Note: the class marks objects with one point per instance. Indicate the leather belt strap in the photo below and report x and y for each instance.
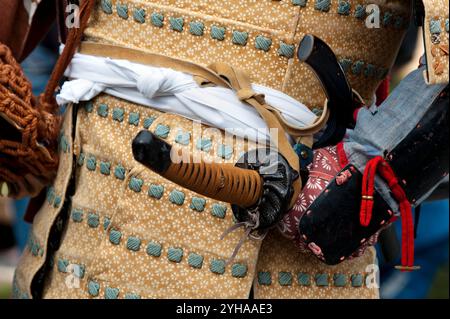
(153, 59)
(204, 76)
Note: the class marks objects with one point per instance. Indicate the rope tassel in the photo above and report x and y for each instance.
(380, 166)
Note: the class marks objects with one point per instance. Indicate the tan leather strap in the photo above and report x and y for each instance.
(153, 59)
(204, 76)
(240, 82)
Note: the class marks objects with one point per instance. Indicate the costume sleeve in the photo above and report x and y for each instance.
(23, 23)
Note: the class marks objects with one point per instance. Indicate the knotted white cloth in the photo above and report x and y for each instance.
(176, 92)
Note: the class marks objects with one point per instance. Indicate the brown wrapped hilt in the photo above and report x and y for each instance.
(223, 182)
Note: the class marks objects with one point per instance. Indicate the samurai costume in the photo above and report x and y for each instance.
(111, 227)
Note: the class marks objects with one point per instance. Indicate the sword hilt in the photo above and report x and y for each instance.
(261, 181)
(223, 182)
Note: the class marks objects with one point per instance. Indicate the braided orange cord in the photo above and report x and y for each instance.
(18, 108)
(236, 185)
(36, 122)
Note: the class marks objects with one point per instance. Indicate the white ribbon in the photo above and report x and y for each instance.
(171, 91)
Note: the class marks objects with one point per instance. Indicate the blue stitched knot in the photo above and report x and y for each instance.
(304, 279)
(149, 121)
(80, 160)
(225, 151)
(195, 260)
(322, 5)
(340, 280)
(357, 67)
(345, 64)
(239, 38)
(357, 280)
(136, 184)
(119, 172)
(62, 265)
(78, 271)
(139, 15)
(175, 254)
(286, 50)
(217, 33)
(93, 288)
(196, 28)
(118, 114)
(64, 144)
(162, 130)
(369, 70)
(77, 215)
(105, 168)
(132, 296)
(217, 266)
(102, 110)
(218, 210)
(122, 10)
(284, 278)
(133, 118)
(89, 106)
(177, 197)
(344, 8)
(106, 223)
(446, 25)
(50, 194)
(301, 3)
(239, 270)
(114, 236)
(435, 26)
(263, 43)
(387, 18)
(264, 278)
(154, 249)
(156, 191)
(360, 11)
(183, 138)
(133, 243)
(107, 6)
(35, 248)
(111, 293)
(198, 204)
(204, 144)
(321, 280)
(91, 163)
(57, 202)
(93, 220)
(157, 19)
(176, 24)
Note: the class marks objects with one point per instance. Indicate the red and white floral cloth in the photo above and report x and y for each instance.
(327, 163)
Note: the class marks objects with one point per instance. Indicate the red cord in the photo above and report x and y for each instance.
(383, 90)
(368, 190)
(342, 157)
